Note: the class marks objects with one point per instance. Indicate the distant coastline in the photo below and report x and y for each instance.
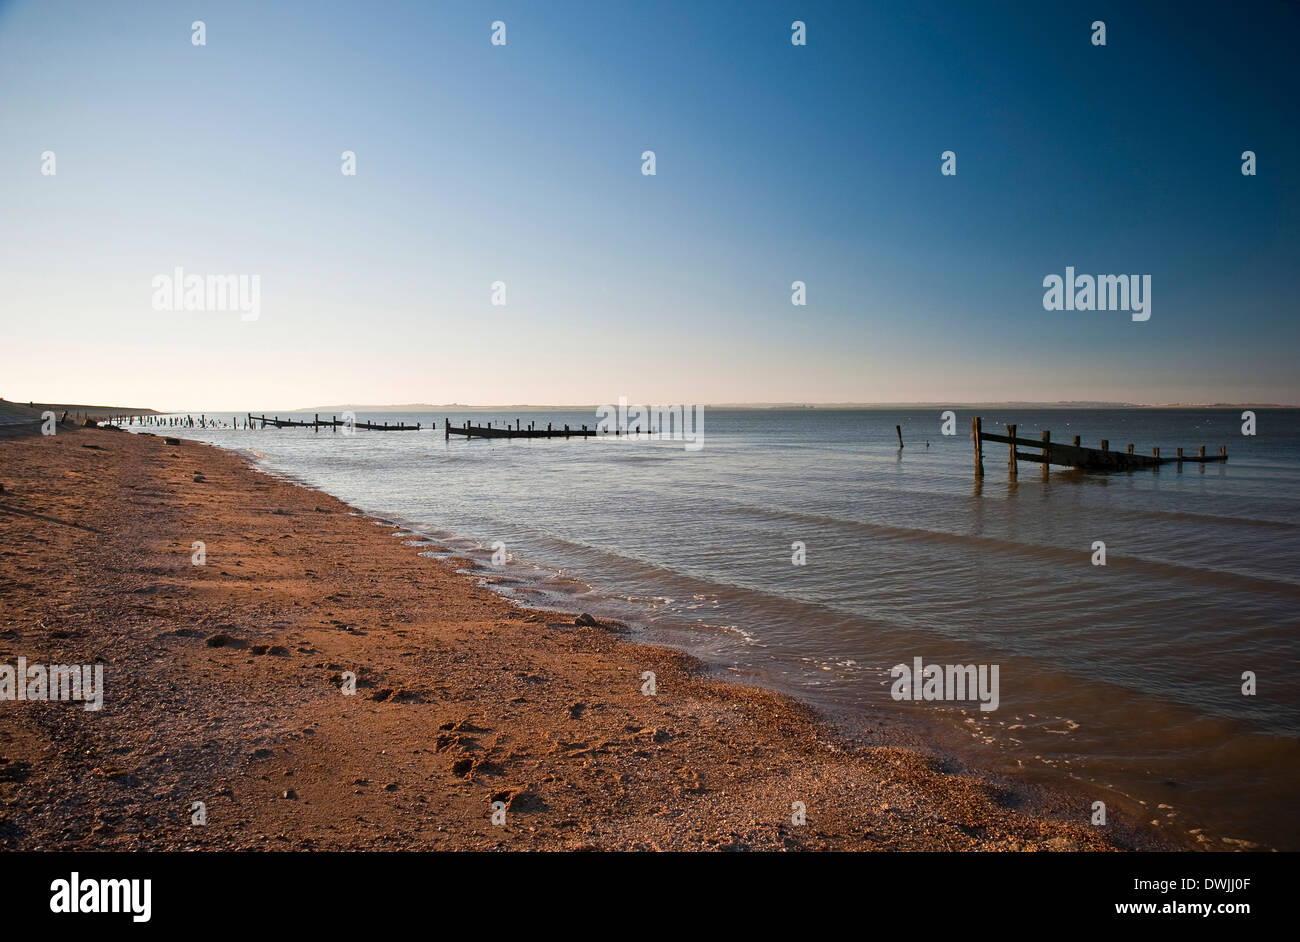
(101, 412)
(779, 406)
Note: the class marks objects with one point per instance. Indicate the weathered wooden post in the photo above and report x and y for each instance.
(1047, 454)
(976, 433)
(315, 425)
(1076, 441)
(1130, 448)
(516, 425)
(1180, 459)
(1105, 444)
(1201, 452)
(1223, 452)
(899, 430)
(446, 428)
(1013, 470)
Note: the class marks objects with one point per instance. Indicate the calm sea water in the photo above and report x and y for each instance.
(1125, 678)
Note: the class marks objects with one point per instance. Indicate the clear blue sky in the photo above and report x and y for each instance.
(522, 163)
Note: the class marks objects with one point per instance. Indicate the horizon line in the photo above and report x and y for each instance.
(792, 405)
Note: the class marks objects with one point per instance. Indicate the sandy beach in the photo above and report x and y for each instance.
(223, 685)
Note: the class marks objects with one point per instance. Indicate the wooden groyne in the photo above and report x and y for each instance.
(505, 431)
(256, 422)
(159, 420)
(1075, 455)
(333, 423)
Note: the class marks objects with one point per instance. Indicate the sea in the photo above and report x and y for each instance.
(806, 551)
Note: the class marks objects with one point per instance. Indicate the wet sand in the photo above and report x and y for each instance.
(223, 686)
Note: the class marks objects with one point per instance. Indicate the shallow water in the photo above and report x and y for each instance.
(1126, 677)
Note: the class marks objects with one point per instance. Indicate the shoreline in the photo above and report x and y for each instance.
(463, 696)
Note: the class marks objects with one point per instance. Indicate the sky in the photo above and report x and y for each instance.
(522, 163)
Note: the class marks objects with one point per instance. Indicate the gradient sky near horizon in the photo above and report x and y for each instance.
(522, 163)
